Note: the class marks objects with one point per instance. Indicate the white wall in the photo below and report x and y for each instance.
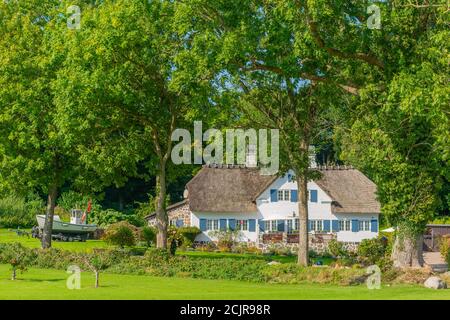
(283, 209)
(349, 236)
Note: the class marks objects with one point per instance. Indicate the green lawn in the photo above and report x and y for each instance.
(51, 284)
(7, 236)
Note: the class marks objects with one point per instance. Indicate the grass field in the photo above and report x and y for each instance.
(51, 284)
(7, 236)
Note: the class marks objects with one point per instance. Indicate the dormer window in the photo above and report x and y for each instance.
(284, 195)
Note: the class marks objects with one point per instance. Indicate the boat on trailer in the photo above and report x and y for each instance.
(76, 230)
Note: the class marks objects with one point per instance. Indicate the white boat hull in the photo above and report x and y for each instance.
(65, 227)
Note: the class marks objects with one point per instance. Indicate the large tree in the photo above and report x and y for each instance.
(397, 127)
(276, 78)
(37, 152)
(132, 74)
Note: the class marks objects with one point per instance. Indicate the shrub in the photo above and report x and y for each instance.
(337, 249)
(294, 274)
(148, 234)
(55, 258)
(226, 239)
(121, 234)
(174, 239)
(17, 256)
(19, 212)
(445, 248)
(371, 251)
(189, 234)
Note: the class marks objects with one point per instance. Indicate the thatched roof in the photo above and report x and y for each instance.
(351, 191)
(224, 189)
(234, 189)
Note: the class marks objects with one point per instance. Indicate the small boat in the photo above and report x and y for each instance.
(76, 228)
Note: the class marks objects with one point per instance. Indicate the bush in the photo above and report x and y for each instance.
(294, 274)
(337, 249)
(226, 240)
(371, 251)
(189, 234)
(445, 248)
(148, 234)
(20, 212)
(174, 239)
(121, 234)
(17, 256)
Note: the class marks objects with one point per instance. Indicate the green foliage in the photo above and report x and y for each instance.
(336, 248)
(107, 217)
(293, 274)
(16, 211)
(226, 239)
(174, 239)
(441, 220)
(445, 248)
(148, 234)
(189, 234)
(74, 200)
(371, 251)
(121, 234)
(18, 256)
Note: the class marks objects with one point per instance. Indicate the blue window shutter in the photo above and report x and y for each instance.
(251, 225)
(326, 225)
(309, 225)
(313, 195)
(334, 225)
(280, 225)
(179, 223)
(355, 225)
(223, 224)
(374, 225)
(294, 195)
(261, 225)
(232, 224)
(203, 224)
(273, 195)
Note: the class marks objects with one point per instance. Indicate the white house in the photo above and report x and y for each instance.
(342, 204)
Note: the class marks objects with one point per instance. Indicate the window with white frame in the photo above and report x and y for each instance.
(364, 225)
(270, 225)
(292, 225)
(242, 225)
(317, 225)
(344, 225)
(212, 224)
(284, 195)
(280, 195)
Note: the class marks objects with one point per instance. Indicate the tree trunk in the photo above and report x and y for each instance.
(97, 274)
(13, 276)
(48, 226)
(302, 186)
(408, 251)
(161, 214)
